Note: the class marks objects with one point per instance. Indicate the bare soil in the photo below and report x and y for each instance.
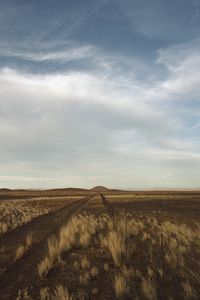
(181, 206)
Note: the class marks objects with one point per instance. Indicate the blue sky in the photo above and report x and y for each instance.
(100, 92)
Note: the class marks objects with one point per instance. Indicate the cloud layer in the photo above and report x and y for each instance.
(83, 127)
(100, 92)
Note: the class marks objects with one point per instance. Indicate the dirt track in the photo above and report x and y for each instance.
(23, 273)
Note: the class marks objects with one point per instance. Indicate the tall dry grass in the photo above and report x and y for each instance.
(145, 251)
(21, 249)
(59, 293)
(77, 233)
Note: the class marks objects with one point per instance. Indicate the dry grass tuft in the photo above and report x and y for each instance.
(59, 293)
(20, 251)
(148, 289)
(45, 294)
(115, 243)
(85, 264)
(84, 278)
(188, 291)
(44, 266)
(120, 285)
(94, 271)
(23, 295)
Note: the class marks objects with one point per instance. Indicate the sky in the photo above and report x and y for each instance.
(100, 92)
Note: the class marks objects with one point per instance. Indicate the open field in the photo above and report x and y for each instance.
(100, 244)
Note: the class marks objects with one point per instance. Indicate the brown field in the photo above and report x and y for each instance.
(99, 244)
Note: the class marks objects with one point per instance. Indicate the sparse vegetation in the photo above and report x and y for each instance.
(84, 278)
(59, 293)
(120, 285)
(44, 266)
(163, 245)
(23, 248)
(94, 271)
(15, 213)
(85, 264)
(148, 289)
(118, 254)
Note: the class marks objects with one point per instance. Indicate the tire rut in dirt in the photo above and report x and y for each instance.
(23, 273)
(108, 206)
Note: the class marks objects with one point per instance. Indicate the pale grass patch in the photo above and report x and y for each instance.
(128, 272)
(84, 278)
(106, 267)
(20, 251)
(29, 239)
(53, 247)
(94, 271)
(160, 272)
(115, 243)
(85, 239)
(59, 293)
(3, 227)
(146, 236)
(23, 295)
(85, 264)
(44, 266)
(150, 272)
(188, 291)
(175, 259)
(120, 285)
(45, 294)
(148, 289)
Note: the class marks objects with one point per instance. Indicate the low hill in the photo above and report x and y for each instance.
(99, 188)
(4, 190)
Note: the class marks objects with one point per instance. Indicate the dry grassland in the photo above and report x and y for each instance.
(147, 251)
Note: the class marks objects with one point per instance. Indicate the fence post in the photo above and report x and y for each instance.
(113, 216)
(126, 238)
(162, 265)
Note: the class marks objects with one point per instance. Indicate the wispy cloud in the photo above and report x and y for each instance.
(102, 118)
(182, 62)
(66, 55)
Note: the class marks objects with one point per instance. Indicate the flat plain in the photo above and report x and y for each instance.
(99, 244)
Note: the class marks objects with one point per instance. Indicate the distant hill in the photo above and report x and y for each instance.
(99, 188)
(4, 190)
(67, 190)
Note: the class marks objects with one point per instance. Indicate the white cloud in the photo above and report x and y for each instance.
(99, 124)
(182, 61)
(66, 55)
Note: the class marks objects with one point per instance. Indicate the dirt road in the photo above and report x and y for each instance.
(23, 273)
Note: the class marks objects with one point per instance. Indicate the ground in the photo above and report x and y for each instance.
(99, 244)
